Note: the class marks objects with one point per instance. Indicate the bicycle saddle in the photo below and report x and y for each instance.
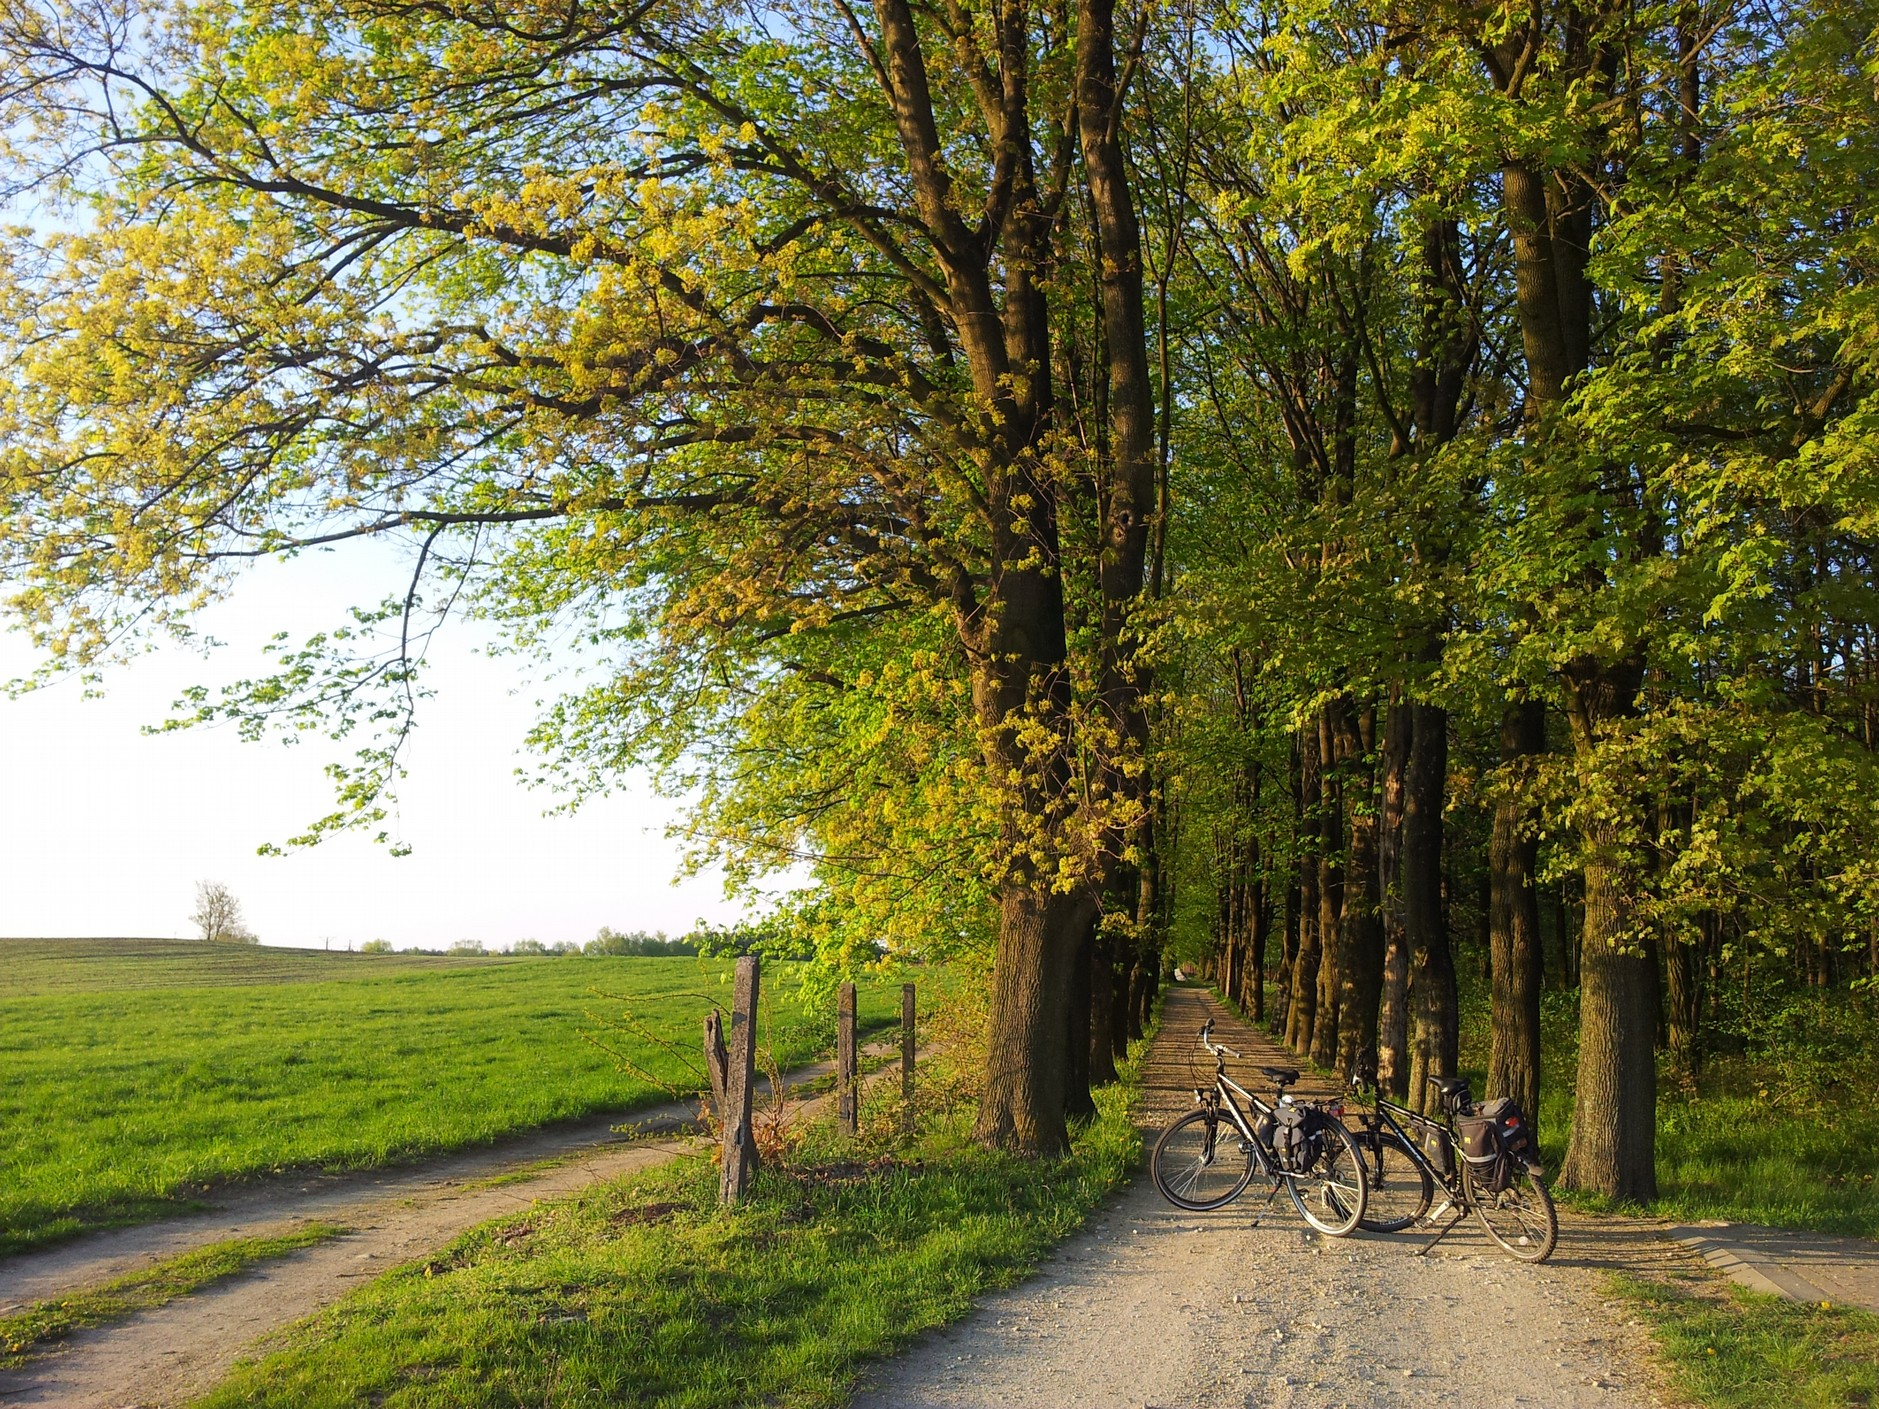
(1280, 1076)
(1449, 1085)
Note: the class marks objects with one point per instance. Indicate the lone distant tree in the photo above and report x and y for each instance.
(218, 915)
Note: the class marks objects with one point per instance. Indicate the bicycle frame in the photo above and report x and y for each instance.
(1452, 1184)
(1225, 1089)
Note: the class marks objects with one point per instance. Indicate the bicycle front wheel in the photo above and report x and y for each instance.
(1399, 1186)
(1201, 1162)
(1330, 1195)
(1521, 1217)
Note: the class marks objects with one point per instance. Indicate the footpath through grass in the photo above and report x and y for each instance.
(133, 1074)
(644, 1294)
(145, 1289)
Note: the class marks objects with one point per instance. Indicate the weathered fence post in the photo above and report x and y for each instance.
(847, 1063)
(716, 1060)
(906, 1056)
(740, 1149)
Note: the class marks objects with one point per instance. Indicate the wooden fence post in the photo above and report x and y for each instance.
(847, 1063)
(740, 1149)
(716, 1059)
(906, 1056)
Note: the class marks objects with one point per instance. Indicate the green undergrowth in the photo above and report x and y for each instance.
(24, 1332)
(1770, 1138)
(136, 1075)
(644, 1293)
(1727, 1348)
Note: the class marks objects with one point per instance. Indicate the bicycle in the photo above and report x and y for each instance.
(1206, 1159)
(1402, 1171)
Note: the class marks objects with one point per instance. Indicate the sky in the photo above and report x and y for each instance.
(105, 830)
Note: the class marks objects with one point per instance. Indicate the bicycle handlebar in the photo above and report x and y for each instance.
(1218, 1049)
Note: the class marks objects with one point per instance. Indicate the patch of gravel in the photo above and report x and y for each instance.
(1151, 1306)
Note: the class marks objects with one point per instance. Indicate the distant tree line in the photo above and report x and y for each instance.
(703, 938)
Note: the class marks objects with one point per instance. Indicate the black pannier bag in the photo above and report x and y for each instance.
(1489, 1164)
(1516, 1132)
(1293, 1140)
(1496, 1139)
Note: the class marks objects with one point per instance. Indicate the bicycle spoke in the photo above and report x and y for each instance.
(1201, 1163)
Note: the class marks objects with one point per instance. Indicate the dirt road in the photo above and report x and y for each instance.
(1152, 1306)
(176, 1352)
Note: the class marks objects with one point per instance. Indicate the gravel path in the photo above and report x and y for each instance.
(1151, 1306)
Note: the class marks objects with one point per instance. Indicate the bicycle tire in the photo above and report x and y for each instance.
(1400, 1189)
(1187, 1159)
(1337, 1179)
(1521, 1218)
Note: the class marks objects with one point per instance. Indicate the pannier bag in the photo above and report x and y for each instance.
(1293, 1140)
(1516, 1132)
(1495, 1139)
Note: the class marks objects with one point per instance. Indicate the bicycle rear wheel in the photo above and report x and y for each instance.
(1201, 1162)
(1330, 1196)
(1400, 1188)
(1521, 1217)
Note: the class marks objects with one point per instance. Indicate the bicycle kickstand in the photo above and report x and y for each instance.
(1447, 1228)
(1270, 1199)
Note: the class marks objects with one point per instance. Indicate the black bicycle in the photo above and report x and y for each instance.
(1207, 1158)
(1406, 1155)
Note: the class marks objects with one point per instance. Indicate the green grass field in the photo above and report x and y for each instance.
(623, 1293)
(135, 1072)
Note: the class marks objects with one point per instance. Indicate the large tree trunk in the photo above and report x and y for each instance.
(1334, 750)
(1514, 925)
(1041, 934)
(1303, 1007)
(1613, 1151)
(1614, 1106)
(1077, 1101)
(1393, 1000)
(1360, 965)
(1432, 963)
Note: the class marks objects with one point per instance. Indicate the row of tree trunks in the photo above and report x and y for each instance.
(1365, 978)
(1244, 918)
(1336, 748)
(1393, 999)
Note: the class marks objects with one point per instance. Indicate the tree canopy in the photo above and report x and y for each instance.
(1295, 486)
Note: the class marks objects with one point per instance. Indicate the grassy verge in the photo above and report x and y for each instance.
(1754, 1141)
(145, 1289)
(138, 1073)
(1727, 1348)
(643, 1293)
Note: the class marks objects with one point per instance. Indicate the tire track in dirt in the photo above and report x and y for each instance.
(176, 1352)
